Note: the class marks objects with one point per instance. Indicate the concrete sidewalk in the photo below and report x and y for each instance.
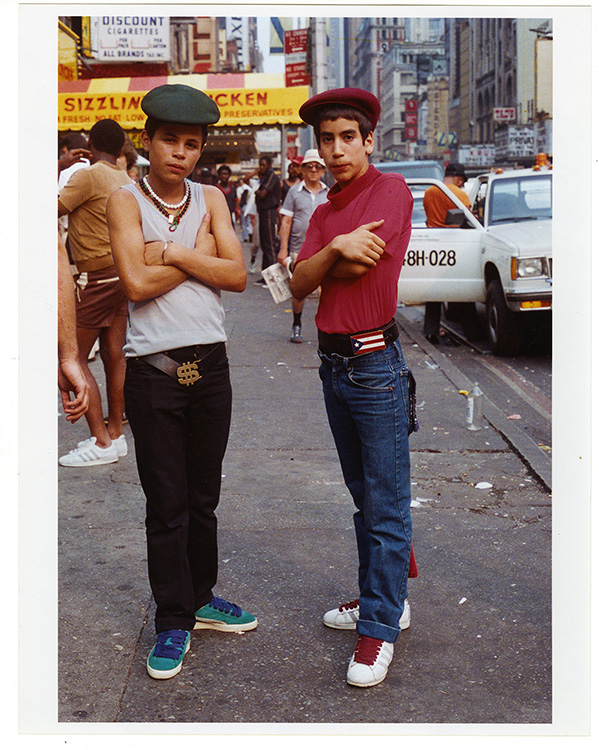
(479, 647)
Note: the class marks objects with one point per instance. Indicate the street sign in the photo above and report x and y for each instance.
(411, 119)
(504, 114)
(447, 140)
(296, 51)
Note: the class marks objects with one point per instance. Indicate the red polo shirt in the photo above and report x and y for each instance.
(370, 301)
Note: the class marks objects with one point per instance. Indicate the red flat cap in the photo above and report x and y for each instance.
(358, 98)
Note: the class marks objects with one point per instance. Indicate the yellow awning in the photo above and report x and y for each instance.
(245, 99)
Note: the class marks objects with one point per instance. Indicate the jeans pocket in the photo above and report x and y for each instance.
(380, 380)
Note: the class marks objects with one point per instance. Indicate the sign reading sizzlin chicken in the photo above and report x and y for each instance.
(84, 103)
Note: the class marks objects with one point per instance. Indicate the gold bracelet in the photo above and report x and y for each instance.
(163, 252)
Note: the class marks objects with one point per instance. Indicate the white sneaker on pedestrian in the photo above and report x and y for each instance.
(87, 453)
(370, 662)
(253, 267)
(121, 445)
(346, 616)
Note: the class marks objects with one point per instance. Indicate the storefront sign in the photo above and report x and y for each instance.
(515, 141)
(139, 38)
(504, 114)
(411, 120)
(477, 156)
(67, 54)
(79, 111)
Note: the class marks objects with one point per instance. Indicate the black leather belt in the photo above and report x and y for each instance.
(358, 344)
(181, 364)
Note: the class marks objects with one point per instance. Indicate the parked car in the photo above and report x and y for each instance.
(500, 253)
(423, 168)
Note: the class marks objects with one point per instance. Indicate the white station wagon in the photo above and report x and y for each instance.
(498, 254)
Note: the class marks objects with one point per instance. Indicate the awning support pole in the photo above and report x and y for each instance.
(283, 151)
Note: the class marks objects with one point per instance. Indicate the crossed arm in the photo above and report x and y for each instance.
(347, 256)
(148, 270)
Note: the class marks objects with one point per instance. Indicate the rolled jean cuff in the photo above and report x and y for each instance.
(377, 630)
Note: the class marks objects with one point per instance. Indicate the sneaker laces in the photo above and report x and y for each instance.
(226, 607)
(350, 605)
(170, 643)
(367, 650)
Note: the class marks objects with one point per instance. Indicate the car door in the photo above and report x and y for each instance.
(441, 264)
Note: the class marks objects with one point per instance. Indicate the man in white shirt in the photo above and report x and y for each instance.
(300, 203)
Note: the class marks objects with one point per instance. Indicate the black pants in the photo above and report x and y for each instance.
(180, 434)
(269, 242)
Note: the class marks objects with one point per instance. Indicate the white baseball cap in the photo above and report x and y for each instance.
(313, 155)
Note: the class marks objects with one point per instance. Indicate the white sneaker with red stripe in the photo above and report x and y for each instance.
(346, 616)
(370, 662)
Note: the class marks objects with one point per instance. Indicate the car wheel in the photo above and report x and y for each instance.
(503, 324)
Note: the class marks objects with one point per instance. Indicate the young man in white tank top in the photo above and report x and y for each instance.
(175, 250)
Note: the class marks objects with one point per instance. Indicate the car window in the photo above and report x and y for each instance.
(418, 212)
(520, 199)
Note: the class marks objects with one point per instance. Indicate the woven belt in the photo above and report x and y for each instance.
(185, 373)
(358, 344)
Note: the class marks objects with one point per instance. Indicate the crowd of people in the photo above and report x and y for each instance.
(151, 257)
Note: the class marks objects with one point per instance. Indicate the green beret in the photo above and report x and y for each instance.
(175, 102)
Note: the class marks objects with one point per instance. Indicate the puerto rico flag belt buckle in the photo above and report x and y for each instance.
(364, 343)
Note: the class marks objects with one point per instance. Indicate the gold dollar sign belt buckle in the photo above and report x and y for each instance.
(188, 373)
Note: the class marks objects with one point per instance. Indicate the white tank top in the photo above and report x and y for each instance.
(191, 313)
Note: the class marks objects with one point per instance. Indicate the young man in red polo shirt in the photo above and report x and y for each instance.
(354, 249)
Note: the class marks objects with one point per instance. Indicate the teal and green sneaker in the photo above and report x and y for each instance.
(224, 616)
(166, 657)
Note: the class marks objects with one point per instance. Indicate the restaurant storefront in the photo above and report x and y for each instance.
(247, 101)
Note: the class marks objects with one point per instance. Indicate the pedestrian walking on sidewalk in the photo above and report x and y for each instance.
(175, 249)
(300, 203)
(354, 249)
(101, 304)
(268, 200)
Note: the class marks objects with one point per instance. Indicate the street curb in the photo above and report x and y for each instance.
(527, 450)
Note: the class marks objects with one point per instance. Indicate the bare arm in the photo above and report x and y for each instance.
(72, 157)
(70, 375)
(284, 232)
(360, 248)
(223, 270)
(140, 280)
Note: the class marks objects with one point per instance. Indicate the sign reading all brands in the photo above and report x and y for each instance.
(140, 38)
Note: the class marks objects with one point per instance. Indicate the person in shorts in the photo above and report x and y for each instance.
(101, 304)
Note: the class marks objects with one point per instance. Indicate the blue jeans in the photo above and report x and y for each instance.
(367, 403)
